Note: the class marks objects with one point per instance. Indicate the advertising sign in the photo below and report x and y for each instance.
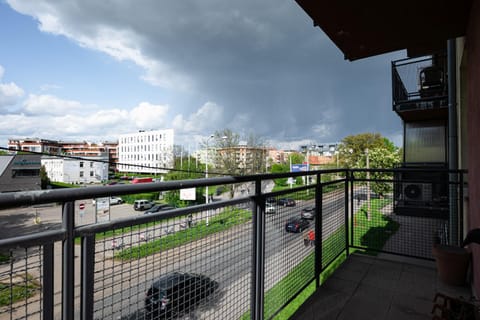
(299, 167)
(102, 209)
(187, 194)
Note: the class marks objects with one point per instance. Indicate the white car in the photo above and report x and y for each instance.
(116, 200)
(113, 200)
(270, 208)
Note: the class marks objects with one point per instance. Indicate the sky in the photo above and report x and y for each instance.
(91, 70)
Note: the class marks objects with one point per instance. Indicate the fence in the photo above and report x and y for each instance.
(239, 258)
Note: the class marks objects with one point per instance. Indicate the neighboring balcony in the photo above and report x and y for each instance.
(235, 259)
(420, 88)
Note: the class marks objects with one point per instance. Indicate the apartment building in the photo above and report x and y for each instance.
(71, 148)
(146, 151)
(76, 171)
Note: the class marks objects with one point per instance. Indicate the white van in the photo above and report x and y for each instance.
(142, 204)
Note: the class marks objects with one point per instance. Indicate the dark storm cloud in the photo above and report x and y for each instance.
(262, 61)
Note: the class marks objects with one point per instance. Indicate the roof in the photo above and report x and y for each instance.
(363, 29)
(4, 162)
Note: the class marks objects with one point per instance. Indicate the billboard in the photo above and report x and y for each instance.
(187, 194)
(299, 167)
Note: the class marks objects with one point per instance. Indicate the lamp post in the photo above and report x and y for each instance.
(206, 176)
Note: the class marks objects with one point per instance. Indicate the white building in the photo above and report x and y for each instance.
(146, 151)
(76, 171)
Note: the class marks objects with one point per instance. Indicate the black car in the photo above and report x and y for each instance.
(177, 293)
(158, 208)
(296, 225)
(308, 213)
(286, 202)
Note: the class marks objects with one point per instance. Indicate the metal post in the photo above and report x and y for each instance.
(88, 268)
(452, 141)
(318, 229)
(258, 258)
(48, 282)
(347, 247)
(350, 181)
(68, 274)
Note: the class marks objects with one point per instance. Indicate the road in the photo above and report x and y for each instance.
(226, 257)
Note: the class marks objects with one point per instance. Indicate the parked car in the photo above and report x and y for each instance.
(296, 225)
(116, 200)
(158, 208)
(308, 213)
(177, 293)
(142, 204)
(271, 200)
(363, 196)
(270, 208)
(286, 202)
(113, 201)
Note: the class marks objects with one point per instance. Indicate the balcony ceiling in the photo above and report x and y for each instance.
(362, 29)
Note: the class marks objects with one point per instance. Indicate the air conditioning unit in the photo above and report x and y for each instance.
(419, 192)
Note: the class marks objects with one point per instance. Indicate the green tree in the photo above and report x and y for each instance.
(352, 148)
(44, 179)
(280, 168)
(382, 154)
(185, 170)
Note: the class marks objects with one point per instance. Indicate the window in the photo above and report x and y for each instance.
(81, 164)
(91, 173)
(91, 164)
(81, 174)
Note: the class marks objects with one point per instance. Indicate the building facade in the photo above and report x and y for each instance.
(71, 148)
(35, 145)
(19, 172)
(76, 171)
(148, 152)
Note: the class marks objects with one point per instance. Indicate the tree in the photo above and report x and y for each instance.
(185, 170)
(44, 179)
(352, 149)
(382, 154)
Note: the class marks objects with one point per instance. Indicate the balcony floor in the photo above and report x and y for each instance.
(382, 287)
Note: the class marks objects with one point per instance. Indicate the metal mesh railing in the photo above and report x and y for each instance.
(129, 261)
(405, 212)
(247, 257)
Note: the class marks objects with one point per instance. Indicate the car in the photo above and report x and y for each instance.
(116, 200)
(364, 195)
(271, 200)
(158, 208)
(286, 202)
(308, 213)
(176, 293)
(296, 225)
(269, 208)
(142, 204)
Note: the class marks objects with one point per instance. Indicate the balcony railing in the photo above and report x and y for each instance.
(60, 264)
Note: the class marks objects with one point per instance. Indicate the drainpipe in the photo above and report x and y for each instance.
(452, 142)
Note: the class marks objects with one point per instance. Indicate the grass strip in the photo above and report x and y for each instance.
(373, 234)
(13, 292)
(223, 221)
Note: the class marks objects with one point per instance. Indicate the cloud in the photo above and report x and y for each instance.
(10, 93)
(148, 116)
(207, 118)
(260, 64)
(52, 105)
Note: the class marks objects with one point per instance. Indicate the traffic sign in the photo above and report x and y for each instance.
(81, 206)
